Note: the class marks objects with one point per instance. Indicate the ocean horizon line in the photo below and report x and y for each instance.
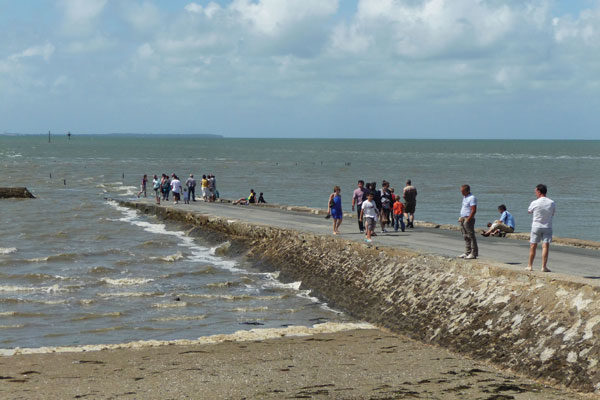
(218, 136)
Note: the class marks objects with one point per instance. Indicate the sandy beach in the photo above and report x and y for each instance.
(356, 364)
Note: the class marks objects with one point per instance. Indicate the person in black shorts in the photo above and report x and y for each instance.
(410, 203)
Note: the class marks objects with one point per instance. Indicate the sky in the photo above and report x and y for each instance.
(487, 69)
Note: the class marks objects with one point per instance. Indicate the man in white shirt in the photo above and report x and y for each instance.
(541, 226)
(467, 223)
(176, 188)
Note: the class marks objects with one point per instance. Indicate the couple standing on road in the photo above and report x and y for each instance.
(542, 209)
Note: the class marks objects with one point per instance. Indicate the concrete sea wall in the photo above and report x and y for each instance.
(539, 325)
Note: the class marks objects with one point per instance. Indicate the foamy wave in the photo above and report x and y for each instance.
(96, 316)
(199, 253)
(239, 336)
(170, 258)
(17, 326)
(43, 289)
(126, 281)
(54, 258)
(180, 318)
(7, 250)
(249, 309)
(131, 294)
(174, 304)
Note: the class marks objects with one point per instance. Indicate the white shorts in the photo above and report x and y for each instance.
(543, 235)
(204, 190)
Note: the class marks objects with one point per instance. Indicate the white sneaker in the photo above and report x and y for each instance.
(470, 257)
(463, 255)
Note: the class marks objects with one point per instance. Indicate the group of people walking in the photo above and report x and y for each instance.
(376, 205)
(166, 185)
(390, 210)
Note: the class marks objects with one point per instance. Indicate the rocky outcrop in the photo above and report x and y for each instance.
(539, 325)
(16, 192)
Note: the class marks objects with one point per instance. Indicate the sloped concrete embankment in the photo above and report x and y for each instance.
(540, 326)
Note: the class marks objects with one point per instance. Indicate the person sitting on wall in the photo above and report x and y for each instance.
(502, 226)
(251, 199)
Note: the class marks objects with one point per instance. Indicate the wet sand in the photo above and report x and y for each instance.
(356, 364)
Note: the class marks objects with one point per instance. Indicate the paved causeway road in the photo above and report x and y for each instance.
(509, 252)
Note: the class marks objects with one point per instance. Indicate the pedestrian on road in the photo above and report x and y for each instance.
(165, 187)
(204, 184)
(156, 187)
(398, 215)
(335, 209)
(467, 223)
(369, 214)
(410, 203)
(143, 186)
(358, 197)
(190, 183)
(176, 188)
(541, 226)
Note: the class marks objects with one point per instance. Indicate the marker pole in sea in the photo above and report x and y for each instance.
(48, 136)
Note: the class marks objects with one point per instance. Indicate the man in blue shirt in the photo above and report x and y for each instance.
(506, 223)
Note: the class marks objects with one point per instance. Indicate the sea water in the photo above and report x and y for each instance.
(76, 268)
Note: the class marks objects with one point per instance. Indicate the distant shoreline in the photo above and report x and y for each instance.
(125, 134)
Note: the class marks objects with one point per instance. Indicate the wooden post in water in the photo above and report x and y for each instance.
(48, 136)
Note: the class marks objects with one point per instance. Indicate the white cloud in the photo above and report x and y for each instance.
(272, 16)
(96, 43)
(426, 28)
(145, 50)
(584, 30)
(209, 11)
(80, 14)
(142, 17)
(44, 51)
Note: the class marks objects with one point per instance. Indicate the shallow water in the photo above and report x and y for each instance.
(78, 269)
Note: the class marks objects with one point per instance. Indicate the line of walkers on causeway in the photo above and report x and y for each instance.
(390, 209)
(373, 205)
(165, 185)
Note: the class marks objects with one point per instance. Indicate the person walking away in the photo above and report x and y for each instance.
(543, 210)
(368, 215)
(504, 225)
(165, 187)
(186, 195)
(335, 209)
(143, 186)
(410, 203)
(156, 187)
(176, 188)
(398, 215)
(467, 223)
(190, 183)
(204, 185)
(358, 196)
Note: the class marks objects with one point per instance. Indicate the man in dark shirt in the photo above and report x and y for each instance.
(410, 203)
